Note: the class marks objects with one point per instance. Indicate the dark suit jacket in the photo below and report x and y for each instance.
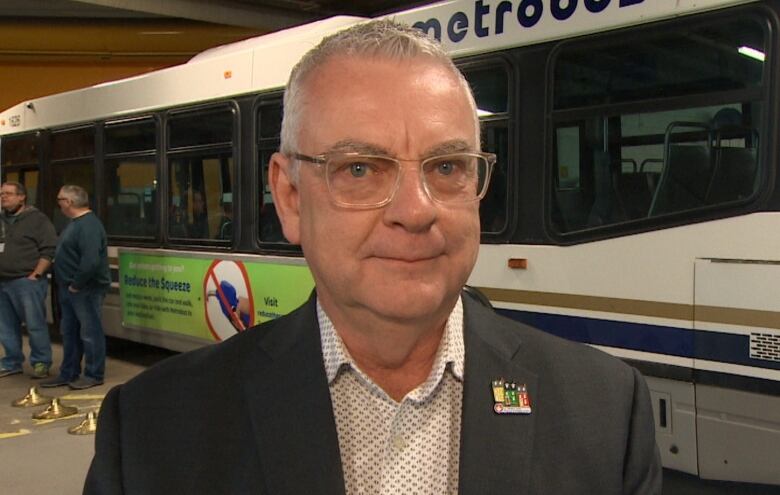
(253, 415)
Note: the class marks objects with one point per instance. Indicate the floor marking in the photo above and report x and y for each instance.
(19, 433)
(83, 397)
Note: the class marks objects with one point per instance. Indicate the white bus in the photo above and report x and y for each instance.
(635, 205)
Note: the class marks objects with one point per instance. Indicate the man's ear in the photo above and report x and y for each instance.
(285, 193)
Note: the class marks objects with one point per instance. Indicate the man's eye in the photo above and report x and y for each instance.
(358, 169)
(445, 168)
(451, 167)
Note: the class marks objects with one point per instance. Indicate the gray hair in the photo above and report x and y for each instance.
(384, 38)
(76, 194)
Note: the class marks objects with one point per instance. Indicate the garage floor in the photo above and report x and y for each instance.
(41, 458)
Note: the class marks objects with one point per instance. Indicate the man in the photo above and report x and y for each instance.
(81, 271)
(383, 381)
(27, 241)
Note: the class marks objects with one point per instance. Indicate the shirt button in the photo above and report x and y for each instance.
(399, 442)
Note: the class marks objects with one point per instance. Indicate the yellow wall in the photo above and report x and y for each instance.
(39, 58)
(22, 81)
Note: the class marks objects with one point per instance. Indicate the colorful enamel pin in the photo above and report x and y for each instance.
(510, 398)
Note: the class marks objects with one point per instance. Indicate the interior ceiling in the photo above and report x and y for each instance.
(263, 15)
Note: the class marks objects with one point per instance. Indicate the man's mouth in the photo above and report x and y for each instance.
(407, 258)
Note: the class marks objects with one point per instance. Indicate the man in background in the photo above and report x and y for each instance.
(81, 272)
(27, 242)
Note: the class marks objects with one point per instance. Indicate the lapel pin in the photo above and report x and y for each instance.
(510, 398)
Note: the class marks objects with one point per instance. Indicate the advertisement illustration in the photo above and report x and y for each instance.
(206, 298)
(228, 298)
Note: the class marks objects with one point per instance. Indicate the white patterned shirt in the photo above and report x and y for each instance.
(389, 447)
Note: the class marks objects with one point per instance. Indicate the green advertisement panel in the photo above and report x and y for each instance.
(206, 298)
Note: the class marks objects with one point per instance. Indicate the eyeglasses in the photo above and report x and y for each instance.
(356, 180)
(7, 193)
(61, 199)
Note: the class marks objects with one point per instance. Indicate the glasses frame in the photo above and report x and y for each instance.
(323, 159)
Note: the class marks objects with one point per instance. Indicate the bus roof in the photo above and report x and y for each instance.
(263, 63)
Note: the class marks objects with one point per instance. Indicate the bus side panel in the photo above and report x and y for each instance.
(737, 315)
(738, 435)
(675, 423)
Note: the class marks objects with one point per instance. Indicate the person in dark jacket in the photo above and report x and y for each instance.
(27, 241)
(81, 271)
(390, 379)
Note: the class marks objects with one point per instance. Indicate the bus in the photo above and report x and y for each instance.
(634, 206)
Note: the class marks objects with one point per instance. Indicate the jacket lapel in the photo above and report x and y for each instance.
(496, 449)
(289, 402)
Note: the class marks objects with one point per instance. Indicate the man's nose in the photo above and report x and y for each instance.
(411, 206)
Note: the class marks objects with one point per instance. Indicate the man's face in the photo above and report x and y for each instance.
(9, 199)
(406, 261)
(64, 203)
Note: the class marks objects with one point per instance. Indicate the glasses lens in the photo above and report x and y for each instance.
(456, 178)
(361, 180)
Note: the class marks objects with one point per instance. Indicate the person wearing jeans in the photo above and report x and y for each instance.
(22, 300)
(82, 333)
(81, 272)
(27, 242)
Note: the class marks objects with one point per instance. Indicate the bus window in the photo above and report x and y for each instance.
(617, 164)
(28, 178)
(567, 147)
(72, 162)
(75, 143)
(131, 179)
(130, 137)
(490, 87)
(269, 123)
(20, 163)
(20, 150)
(201, 197)
(493, 207)
(201, 171)
(212, 126)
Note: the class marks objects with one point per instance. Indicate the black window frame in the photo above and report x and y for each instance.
(266, 143)
(168, 154)
(513, 208)
(155, 152)
(95, 195)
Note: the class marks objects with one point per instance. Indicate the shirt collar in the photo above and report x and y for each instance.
(450, 356)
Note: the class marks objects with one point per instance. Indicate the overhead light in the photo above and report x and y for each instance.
(751, 52)
(484, 113)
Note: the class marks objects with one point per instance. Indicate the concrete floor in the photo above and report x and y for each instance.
(39, 456)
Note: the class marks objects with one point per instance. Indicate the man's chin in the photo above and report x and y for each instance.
(404, 304)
